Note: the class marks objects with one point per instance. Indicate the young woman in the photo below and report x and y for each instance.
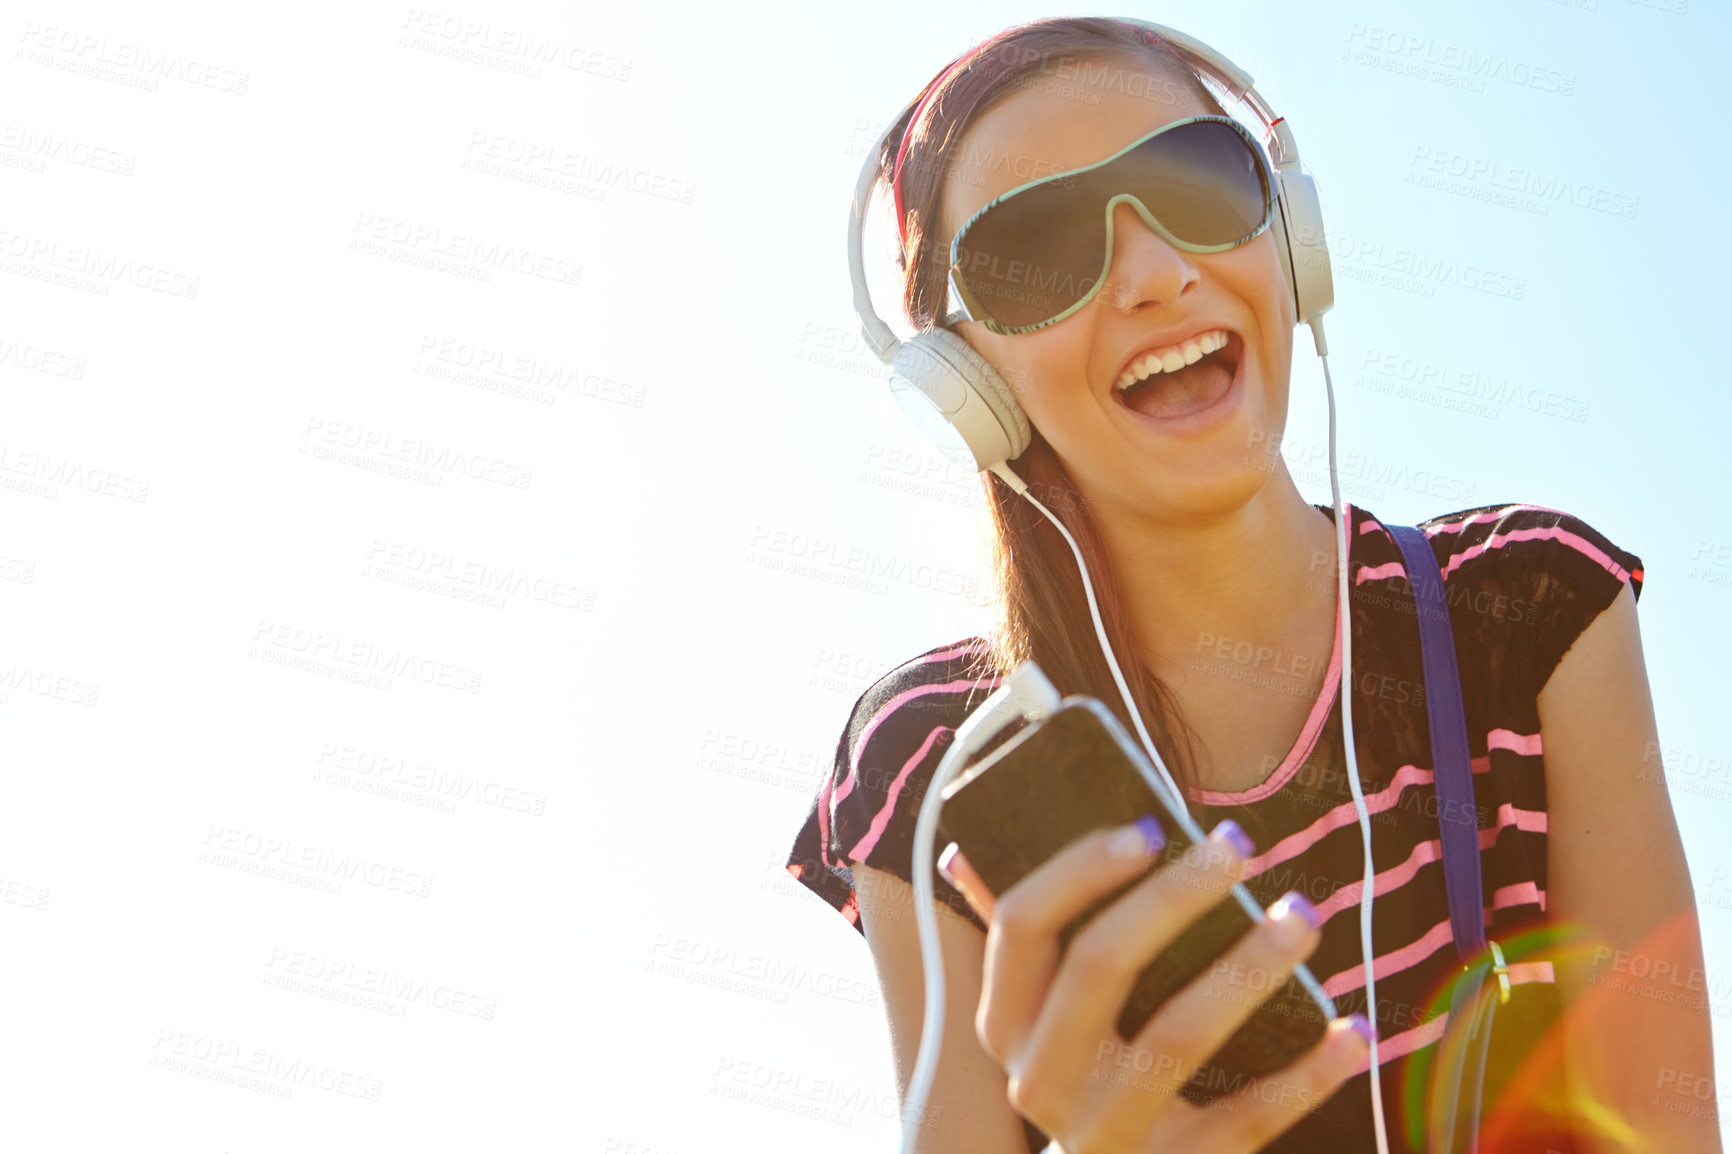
(1158, 407)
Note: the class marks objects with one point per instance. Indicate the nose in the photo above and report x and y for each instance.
(1145, 268)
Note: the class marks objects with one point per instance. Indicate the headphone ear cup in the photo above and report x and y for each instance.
(1300, 243)
(967, 392)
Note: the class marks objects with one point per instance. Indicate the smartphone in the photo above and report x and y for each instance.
(1074, 772)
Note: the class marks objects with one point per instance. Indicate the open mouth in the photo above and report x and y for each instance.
(1181, 379)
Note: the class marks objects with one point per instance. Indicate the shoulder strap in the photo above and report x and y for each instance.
(1457, 813)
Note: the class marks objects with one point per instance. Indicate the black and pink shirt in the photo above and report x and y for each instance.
(1523, 583)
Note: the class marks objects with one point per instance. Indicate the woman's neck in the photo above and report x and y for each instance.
(1263, 574)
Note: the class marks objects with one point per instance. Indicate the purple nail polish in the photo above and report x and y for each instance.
(1153, 837)
(1298, 903)
(1230, 832)
(1362, 1027)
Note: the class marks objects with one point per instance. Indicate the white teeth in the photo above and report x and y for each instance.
(1173, 357)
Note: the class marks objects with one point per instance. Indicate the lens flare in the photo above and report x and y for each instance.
(1531, 1088)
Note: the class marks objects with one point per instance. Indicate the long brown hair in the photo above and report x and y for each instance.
(1043, 610)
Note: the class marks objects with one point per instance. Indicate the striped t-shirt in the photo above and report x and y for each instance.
(1523, 582)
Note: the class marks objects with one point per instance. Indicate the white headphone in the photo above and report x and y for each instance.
(938, 372)
(947, 375)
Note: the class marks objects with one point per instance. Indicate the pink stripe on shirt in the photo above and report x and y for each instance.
(890, 707)
(1526, 744)
(1295, 844)
(1402, 1044)
(1573, 540)
(1392, 879)
(1497, 514)
(944, 655)
(1415, 952)
(829, 797)
(863, 848)
(1379, 572)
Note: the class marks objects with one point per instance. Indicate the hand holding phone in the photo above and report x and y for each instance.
(1113, 990)
(1049, 1021)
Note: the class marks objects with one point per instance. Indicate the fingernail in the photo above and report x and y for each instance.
(1358, 1024)
(960, 874)
(1142, 838)
(1295, 903)
(1229, 832)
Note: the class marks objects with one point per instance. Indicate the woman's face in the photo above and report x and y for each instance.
(1200, 444)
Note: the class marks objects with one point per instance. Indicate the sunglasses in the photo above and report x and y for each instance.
(1037, 254)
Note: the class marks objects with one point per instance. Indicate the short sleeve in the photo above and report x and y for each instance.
(1581, 574)
(867, 807)
(1559, 573)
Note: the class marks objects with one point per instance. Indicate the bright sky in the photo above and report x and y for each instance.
(569, 703)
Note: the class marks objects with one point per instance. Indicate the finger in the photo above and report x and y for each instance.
(1022, 948)
(1273, 1104)
(1202, 1016)
(1105, 958)
(960, 874)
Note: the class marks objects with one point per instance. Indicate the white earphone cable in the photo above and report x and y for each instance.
(1345, 626)
(1343, 524)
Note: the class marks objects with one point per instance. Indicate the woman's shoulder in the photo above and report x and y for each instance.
(932, 690)
(867, 809)
(1520, 544)
(1517, 541)
(1524, 581)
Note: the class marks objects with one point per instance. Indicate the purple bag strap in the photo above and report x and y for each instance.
(1457, 812)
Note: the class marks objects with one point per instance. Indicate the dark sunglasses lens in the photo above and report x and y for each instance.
(1038, 253)
(1201, 180)
(1035, 255)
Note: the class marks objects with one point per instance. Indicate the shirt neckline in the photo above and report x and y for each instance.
(1314, 722)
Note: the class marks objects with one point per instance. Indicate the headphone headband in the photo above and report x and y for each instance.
(952, 380)
(1193, 53)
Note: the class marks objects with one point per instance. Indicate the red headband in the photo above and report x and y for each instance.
(925, 99)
